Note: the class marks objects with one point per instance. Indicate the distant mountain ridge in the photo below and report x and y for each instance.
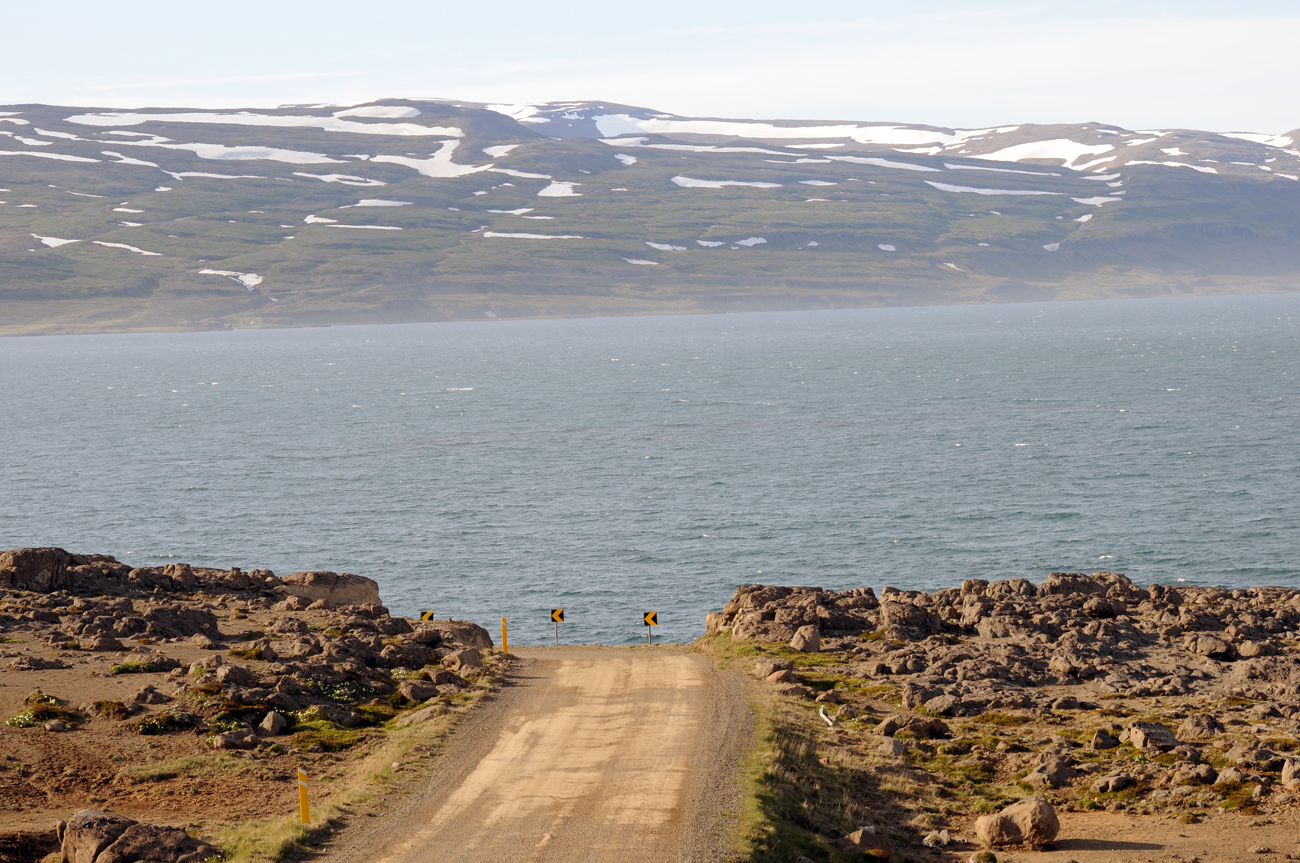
(406, 210)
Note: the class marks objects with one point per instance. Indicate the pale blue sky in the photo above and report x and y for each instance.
(1139, 64)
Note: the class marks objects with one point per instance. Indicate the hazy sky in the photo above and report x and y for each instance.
(1209, 65)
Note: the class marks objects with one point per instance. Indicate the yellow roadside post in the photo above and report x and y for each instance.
(304, 808)
(650, 618)
(505, 645)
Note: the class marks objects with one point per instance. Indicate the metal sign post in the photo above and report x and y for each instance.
(557, 616)
(651, 618)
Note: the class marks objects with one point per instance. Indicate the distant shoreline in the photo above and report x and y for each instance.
(648, 309)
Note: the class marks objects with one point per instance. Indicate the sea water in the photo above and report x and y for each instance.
(622, 465)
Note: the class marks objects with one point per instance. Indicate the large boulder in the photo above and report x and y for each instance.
(417, 690)
(150, 843)
(907, 616)
(238, 739)
(89, 832)
(335, 589)
(460, 632)
(1199, 726)
(39, 569)
(1291, 774)
(807, 639)
(1032, 821)
(1152, 736)
(464, 660)
(868, 841)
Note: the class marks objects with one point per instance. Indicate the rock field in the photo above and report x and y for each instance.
(1083, 693)
(158, 691)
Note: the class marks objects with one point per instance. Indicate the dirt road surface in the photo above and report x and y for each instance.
(592, 754)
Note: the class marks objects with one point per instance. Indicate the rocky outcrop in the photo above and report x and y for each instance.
(1098, 631)
(96, 837)
(333, 588)
(449, 631)
(1032, 821)
(51, 569)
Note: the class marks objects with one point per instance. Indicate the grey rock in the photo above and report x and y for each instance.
(1151, 735)
(235, 740)
(891, 748)
(89, 832)
(272, 724)
(807, 639)
(1291, 774)
(417, 690)
(1200, 726)
(466, 659)
(1103, 739)
(1194, 774)
(236, 675)
(1112, 782)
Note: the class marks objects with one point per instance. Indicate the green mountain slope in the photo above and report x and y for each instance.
(409, 210)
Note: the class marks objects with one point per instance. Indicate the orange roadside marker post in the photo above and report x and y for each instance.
(505, 645)
(651, 618)
(304, 807)
(557, 615)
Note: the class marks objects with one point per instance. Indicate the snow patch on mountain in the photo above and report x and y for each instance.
(1069, 152)
(344, 179)
(945, 187)
(692, 183)
(438, 165)
(329, 124)
(560, 190)
(385, 112)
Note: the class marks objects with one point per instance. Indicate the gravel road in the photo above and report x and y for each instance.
(590, 753)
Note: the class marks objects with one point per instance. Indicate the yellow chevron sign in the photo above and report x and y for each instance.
(426, 615)
(557, 614)
(652, 618)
